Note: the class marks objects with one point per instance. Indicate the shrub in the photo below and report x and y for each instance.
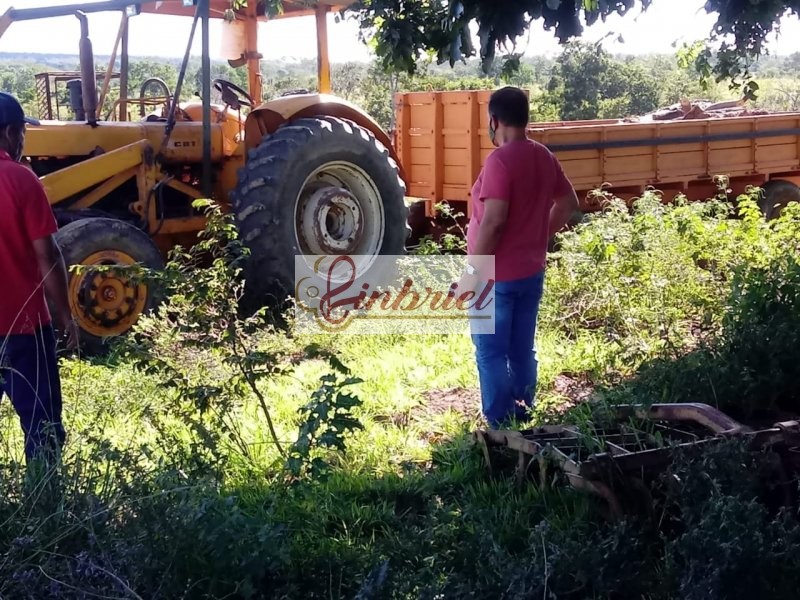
(751, 363)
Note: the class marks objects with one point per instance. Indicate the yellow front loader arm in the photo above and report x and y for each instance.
(104, 169)
(99, 176)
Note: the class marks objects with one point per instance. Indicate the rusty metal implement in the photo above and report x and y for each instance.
(636, 443)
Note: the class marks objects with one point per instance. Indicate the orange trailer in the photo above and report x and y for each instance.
(442, 141)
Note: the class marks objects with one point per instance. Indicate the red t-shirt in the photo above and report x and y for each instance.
(25, 216)
(529, 177)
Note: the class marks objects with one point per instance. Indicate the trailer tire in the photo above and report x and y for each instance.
(317, 186)
(106, 305)
(776, 194)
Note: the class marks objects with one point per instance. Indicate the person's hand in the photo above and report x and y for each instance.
(70, 333)
(467, 283)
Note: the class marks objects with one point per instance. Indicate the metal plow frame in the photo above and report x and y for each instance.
(628, 454)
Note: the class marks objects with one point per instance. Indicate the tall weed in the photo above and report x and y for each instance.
(644, 280)
(749, 366)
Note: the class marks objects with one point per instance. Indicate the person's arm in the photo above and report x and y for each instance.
(40, 225)
(565, 201)
(496, 197)
(493, 224)
(54, 274)
(562, 210)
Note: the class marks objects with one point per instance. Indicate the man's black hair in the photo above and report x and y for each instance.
(509, 105)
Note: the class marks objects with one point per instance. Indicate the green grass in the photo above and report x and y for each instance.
(638, 306)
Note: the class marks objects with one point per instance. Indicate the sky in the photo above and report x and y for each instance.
(664, 25)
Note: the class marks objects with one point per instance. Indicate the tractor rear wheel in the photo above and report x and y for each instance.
(106, 304)
(321, 186)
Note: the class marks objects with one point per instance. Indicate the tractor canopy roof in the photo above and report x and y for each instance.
(221, 9)
(218, 9)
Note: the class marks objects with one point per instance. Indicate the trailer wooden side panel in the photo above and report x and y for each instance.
(443, 141)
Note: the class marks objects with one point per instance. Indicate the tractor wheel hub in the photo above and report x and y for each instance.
(332, 221)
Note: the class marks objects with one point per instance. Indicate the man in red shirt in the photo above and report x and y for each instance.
(520, 200)
(32, 267)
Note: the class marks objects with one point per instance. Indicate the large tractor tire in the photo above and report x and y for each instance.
(776, 194)
(106, 304)
(65, 216)
(321, 186)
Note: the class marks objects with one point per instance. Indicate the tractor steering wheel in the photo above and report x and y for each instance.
(162, 93)
(232, 94)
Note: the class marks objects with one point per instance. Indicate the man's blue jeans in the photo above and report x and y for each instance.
(29, 376)
(507, 359)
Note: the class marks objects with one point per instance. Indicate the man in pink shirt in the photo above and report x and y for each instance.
(519, 201)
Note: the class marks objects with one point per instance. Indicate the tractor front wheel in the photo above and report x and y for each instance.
(316, 187)
(105, 302)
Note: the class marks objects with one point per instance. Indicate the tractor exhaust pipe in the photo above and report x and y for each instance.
(88, 75)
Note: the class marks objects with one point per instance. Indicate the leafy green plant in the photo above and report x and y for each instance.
(452, 240)
(203, 287)
(715, 506)
(326, 420)
(642, 279)
(746, 363)
(588, 83)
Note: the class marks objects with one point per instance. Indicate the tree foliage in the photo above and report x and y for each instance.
(403, 30)
(589, 83)
(584, 82)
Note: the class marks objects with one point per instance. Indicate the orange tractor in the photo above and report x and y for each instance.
(306, 174)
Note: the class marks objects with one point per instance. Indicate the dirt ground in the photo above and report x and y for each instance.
(466, 402)
(575, 389)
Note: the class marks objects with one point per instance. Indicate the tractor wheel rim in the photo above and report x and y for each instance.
(339, 211)
(333, 221)
(105, 303)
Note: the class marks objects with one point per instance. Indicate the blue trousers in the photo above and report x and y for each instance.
(29, 376)
(506, 359)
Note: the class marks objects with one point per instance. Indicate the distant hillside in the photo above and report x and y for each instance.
(286, 64)
(167, 67)
(56, 60)
(69, 61)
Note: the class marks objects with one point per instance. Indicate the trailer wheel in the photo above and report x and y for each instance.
(106, 304)
(776, 194)
(317, 186)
